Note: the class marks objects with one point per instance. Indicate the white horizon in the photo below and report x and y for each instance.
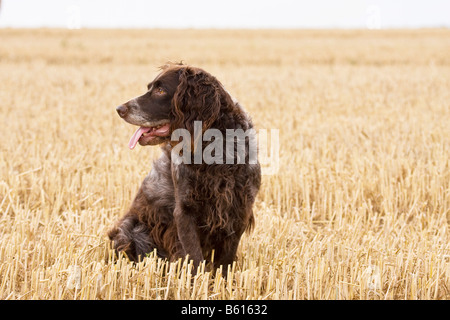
(234, 14)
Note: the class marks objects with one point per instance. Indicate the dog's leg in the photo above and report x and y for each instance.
(132, 237)
(131, 234)
(226, 253)
(188, 236)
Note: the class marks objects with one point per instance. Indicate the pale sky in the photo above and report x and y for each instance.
(373, 14)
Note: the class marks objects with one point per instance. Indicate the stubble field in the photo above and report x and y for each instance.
(360, 205)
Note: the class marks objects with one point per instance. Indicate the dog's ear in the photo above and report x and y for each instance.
(197, 98)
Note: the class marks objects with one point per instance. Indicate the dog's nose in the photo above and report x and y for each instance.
(122, 110)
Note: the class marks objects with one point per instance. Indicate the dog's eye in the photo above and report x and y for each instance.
(160, 91)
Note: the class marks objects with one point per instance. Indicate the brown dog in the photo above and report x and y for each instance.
(188, 208)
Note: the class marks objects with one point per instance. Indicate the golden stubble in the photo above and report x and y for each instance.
(358, 209)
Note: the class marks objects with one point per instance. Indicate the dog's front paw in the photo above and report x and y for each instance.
(132, 238)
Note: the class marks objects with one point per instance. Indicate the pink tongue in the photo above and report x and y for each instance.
(136, 136)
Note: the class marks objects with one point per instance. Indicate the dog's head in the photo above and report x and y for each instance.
(176, 98)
